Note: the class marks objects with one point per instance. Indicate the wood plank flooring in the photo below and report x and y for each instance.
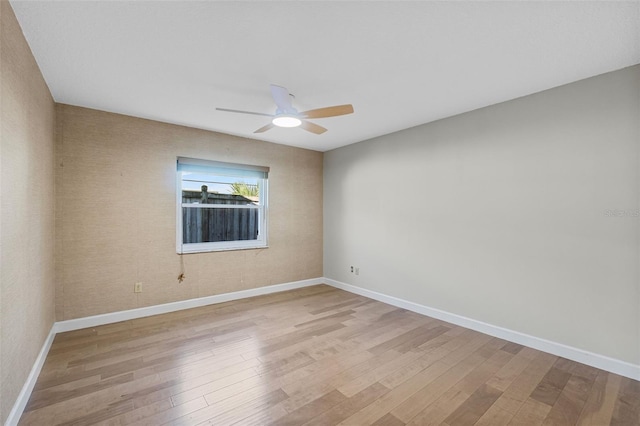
(315, 356)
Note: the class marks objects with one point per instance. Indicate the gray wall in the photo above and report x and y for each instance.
(27, 214)
(500, 214)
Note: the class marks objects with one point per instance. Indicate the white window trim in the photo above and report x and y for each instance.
(263, 213)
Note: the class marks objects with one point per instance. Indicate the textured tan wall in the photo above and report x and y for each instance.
(27, 213)
(116, 220)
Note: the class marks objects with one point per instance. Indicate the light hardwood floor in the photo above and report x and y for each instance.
(315, 356)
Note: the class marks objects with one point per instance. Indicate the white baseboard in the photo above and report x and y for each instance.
(96, 320)
(602, 362)
(27, 388)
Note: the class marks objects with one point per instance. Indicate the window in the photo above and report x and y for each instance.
(220, 206)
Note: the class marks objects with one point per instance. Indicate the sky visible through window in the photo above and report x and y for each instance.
(219, 184)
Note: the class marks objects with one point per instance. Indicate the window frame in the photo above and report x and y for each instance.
(217, 169)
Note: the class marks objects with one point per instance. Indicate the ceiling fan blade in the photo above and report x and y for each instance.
(312, 127)
(265, 128)
(282, 98)
(331, 111)
(244, 112)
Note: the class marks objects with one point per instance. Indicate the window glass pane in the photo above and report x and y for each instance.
(208, 189)
(209, 225)
(221, 206)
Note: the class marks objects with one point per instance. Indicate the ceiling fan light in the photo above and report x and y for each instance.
(286, 121)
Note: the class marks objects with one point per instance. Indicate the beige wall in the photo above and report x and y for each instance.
(500, 214)
(27, 219)
(116, 220)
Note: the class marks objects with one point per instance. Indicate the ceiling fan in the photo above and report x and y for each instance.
(287, 116)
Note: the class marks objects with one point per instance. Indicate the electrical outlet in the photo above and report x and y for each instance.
(352, 269)
(137, 288)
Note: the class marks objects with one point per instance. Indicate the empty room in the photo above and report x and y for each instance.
(319, 213)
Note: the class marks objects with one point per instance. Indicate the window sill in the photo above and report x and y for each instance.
(195, 250)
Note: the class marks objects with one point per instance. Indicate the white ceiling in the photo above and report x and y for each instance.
(400, 64)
